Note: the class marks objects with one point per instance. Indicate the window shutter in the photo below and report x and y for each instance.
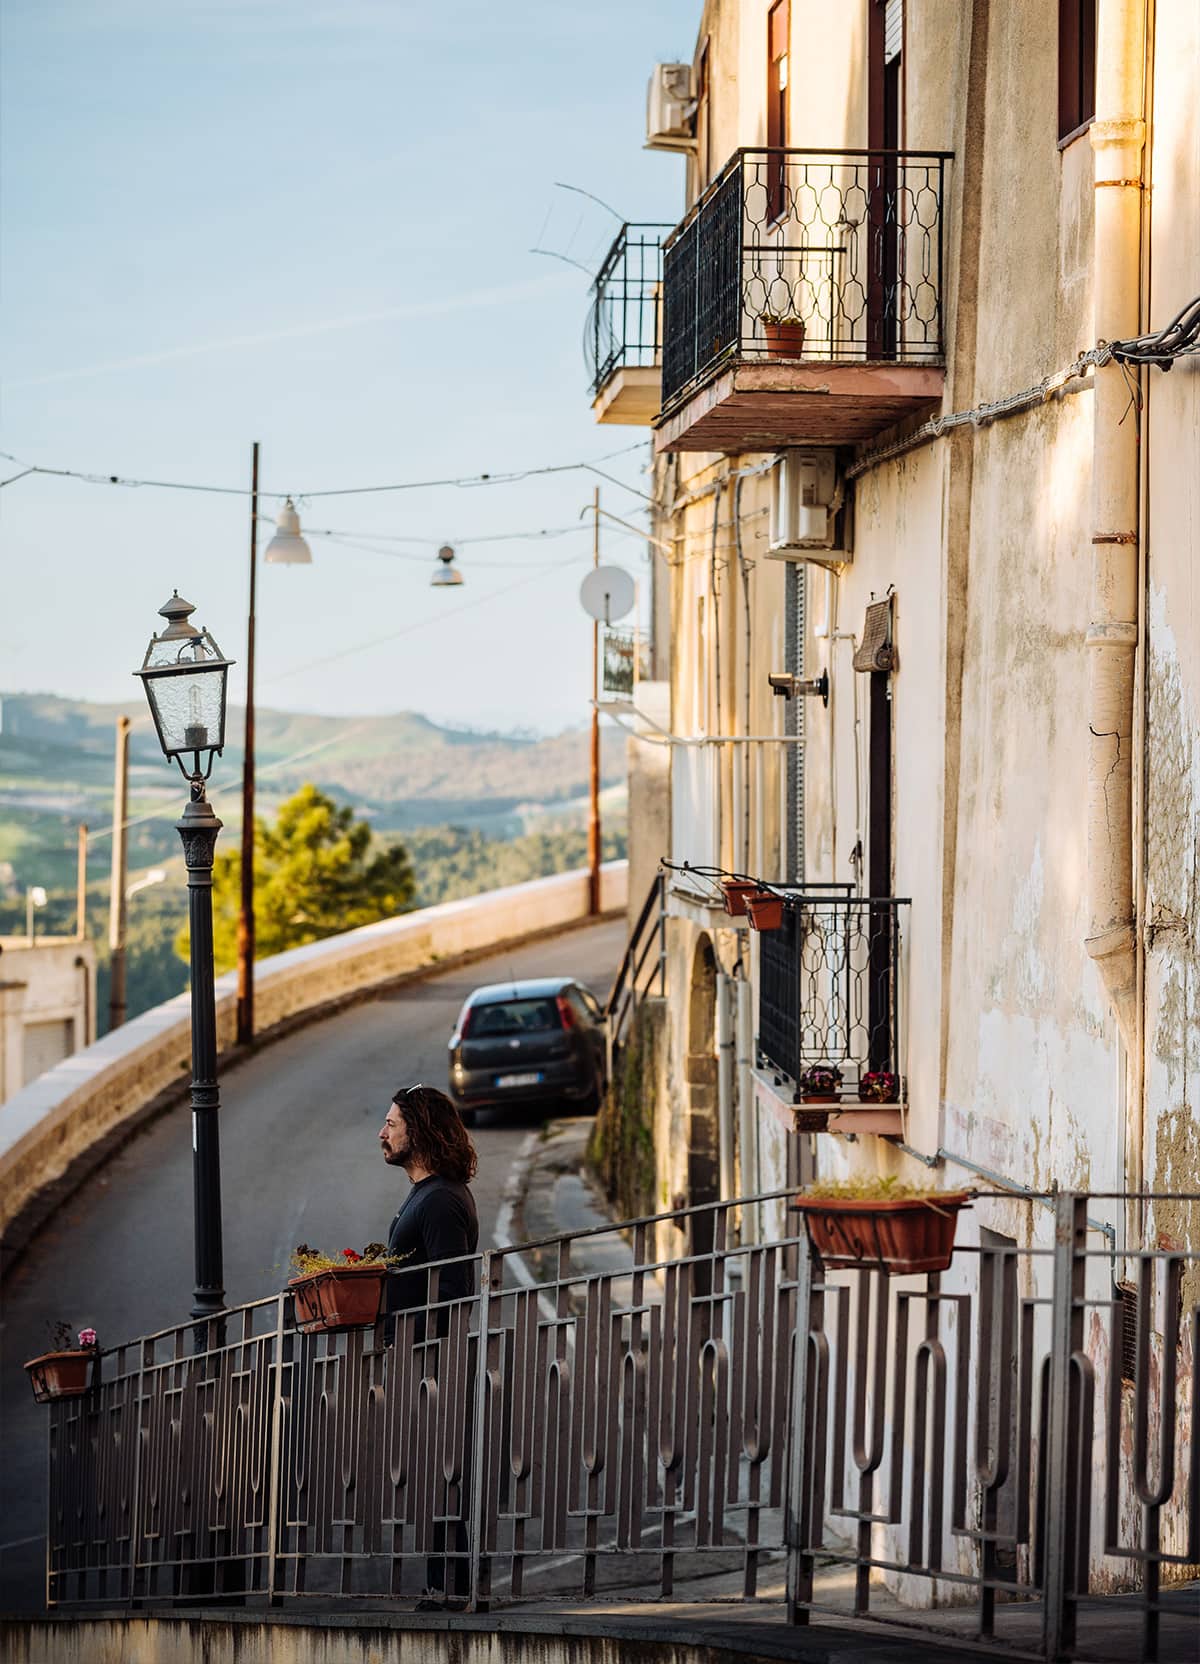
(878, 648)
(893, 30)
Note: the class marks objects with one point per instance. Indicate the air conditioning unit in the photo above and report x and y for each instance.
(670, 109)
(809, 515)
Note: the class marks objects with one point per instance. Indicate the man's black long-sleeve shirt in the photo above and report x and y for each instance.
(437, 1221)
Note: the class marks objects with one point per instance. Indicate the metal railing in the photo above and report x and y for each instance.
(624, 660)
(643, 967)
(1005, 1438)
(623, 325)
(828, 255)
(997, 1440)
(830, 985)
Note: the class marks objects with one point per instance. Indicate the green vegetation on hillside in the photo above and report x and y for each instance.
(317, 871)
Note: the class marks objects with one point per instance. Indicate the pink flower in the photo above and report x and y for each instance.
(87, 1337)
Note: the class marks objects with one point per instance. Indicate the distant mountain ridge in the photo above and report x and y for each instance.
(405, 767)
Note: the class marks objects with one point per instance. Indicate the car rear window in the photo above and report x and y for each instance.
(512, 1017)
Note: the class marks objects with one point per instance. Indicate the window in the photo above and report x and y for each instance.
(778, 29)
(512, 1017)
(1076, 65)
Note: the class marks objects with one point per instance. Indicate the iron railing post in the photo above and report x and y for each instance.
(275, 1468)
(802, 1462)
(1060, 1548)
(487, 1367)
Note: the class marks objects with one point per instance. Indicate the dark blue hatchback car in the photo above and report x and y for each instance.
(526, 1043)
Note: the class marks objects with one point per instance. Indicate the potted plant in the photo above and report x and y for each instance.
(339, 1292)
(65, 1371)
(735, 891)
(764, 909)
(784, 334)
(877, 1086)
(820, 1083)
(882, 1224)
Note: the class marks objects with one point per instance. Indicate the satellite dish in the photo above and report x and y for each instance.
(607, 593)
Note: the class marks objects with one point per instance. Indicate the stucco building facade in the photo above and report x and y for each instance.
(952, 208)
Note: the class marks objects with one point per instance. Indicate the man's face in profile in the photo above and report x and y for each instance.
(393, 1137)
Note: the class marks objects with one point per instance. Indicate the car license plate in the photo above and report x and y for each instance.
(518, 1080)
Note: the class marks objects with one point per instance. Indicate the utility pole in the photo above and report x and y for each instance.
(594, 772)
(116, 895)
(81, 885)
(245, 939)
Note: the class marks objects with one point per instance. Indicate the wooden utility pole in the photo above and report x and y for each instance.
(245, 940)
(594, 772)
(81, 885)
(116, 894)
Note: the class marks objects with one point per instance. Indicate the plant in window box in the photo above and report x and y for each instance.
(877, 1086)
(65, 1371)
(884, 1225)
(821, 1083)
(343, 1291)
(784, 334)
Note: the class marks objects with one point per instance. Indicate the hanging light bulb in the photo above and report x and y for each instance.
(287, 547)
(445, 572)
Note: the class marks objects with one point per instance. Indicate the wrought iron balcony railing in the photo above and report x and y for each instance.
(807, 254)
(830, 983)
(623, 327)
(625, 661)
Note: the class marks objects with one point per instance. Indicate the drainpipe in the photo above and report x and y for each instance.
(726, 1060)
(1118, 138)
(750, 1182)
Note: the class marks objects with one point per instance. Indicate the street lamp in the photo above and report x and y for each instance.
(185, 675)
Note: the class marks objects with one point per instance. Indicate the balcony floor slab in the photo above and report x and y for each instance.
(630, 397)
(760, 407)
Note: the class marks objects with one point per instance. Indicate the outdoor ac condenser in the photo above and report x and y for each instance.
(809, 516)
(670, 109)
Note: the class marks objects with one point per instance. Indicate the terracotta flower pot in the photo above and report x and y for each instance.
(911, 1233)
(764, 910)
(61, 1374)
(736, 890)
(784, 338)
(820, 1098)
(338, 1299)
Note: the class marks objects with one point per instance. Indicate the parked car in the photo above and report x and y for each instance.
(534, 1042)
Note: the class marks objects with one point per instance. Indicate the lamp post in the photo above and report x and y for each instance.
(185, 676)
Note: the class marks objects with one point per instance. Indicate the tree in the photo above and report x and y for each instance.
(317, 871)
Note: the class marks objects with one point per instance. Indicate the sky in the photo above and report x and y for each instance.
(311, 225)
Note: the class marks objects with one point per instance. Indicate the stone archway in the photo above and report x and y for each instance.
(703, 1159)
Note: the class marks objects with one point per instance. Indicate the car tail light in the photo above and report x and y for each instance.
(564, 1011)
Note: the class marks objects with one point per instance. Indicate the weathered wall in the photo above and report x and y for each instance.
(52, 981)
(55, 1119)
(359, 1638)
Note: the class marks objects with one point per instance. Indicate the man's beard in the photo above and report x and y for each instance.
(396, 1158)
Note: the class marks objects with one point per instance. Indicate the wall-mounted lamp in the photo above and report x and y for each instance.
(790, 687)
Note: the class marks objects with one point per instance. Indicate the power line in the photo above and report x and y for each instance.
(464, 480)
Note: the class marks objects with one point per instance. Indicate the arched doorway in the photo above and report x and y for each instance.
(703, 1159)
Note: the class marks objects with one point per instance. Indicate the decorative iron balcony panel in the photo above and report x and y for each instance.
(805, 256)
(623, 328)
(829, 988)
(624, 661)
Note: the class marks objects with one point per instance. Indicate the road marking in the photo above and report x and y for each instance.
(514, 1189)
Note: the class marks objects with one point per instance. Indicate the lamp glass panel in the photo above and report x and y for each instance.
(189, 709)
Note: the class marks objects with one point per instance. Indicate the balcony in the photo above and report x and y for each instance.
(830, 986)
(624, 336)
(802, 301)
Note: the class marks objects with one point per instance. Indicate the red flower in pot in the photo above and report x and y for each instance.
(821, 1083)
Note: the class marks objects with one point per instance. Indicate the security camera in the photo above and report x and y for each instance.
(788, 686)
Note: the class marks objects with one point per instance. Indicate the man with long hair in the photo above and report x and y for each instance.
(423, 1133)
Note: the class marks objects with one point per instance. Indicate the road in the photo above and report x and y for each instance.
(300, 1163)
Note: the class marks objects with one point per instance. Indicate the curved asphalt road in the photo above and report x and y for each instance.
(300, 1163)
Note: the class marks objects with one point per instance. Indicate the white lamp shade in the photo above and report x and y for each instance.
(445, 573)
(287, 547)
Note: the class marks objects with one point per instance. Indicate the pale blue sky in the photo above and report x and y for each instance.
(309, 224)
